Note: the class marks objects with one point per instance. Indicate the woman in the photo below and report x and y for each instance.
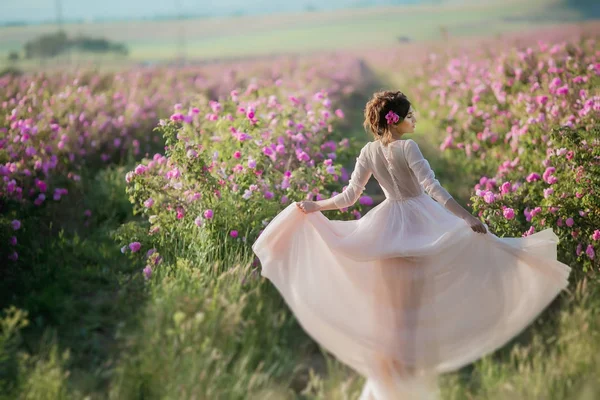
(415, 288)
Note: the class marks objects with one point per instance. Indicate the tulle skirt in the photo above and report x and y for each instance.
(409, 291)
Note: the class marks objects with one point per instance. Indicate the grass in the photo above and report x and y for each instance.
(81, 321)
(77, 289)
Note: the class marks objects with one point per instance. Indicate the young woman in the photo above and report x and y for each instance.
(416, 287)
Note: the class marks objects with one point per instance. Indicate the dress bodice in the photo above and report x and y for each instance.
(399, 168)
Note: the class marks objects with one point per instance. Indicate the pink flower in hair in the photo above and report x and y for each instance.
(392, 117)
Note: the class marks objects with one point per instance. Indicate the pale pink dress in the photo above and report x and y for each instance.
(408, 291)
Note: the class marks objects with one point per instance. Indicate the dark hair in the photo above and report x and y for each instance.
(377, 108)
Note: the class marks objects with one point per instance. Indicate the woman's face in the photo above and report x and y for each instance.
(408, 125)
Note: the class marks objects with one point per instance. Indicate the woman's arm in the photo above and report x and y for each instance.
(460, 212)
(425, 175)
(358, 179)
(431, 185)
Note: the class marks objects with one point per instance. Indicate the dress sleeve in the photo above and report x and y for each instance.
(425, 175)
(358, 179)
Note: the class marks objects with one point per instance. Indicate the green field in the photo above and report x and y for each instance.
(354, 29)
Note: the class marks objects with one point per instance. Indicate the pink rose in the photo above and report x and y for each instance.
(570, 222)
(140, 169)
(533, 177)
(549, 171)
(489, 197)
(392, 117)
(590, 252)
(529, 232)
(135, 246)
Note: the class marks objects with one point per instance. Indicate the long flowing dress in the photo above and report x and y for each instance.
(409, 291)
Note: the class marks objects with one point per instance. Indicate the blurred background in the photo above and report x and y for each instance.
(126, 270)
(46, 33)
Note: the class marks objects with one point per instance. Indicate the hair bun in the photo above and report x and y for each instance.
(378, 106)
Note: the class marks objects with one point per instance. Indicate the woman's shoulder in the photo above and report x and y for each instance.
(398, 143)
(401, 143)
(408, 143)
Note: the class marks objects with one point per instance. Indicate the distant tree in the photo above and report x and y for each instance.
(51, 45)
(100, 45)
(120, 48)
(13, 56)
(48, 45)
(310, 8)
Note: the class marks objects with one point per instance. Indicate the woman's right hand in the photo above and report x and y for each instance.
(308, 207)
(476, 224)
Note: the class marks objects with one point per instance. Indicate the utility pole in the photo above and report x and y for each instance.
(59, 16)
(61, 31)
(181, 33)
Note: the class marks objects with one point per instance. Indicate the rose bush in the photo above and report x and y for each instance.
(558, 192)
(527, 120)
(231, 165)
(57, 126)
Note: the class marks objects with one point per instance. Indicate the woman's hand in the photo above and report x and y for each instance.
(307, 207)
(475, 224)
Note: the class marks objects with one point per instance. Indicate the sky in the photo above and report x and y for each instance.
(31, 11)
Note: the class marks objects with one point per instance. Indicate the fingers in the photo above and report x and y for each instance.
(301, 207)
(479, 229)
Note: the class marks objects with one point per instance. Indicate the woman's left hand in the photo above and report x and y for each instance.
(307, 207)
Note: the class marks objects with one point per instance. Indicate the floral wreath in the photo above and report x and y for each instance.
(392, 117)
